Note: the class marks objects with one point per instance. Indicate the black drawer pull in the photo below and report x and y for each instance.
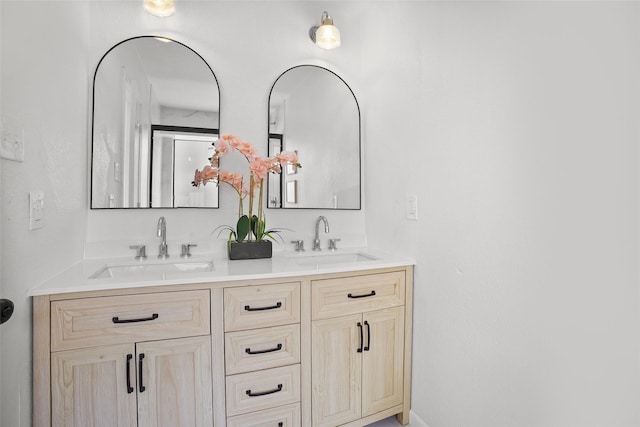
(141, 388)
(371, 294)
(280, 424)
(270, 350)
(361, 338)
(278, 305)
(116, 319)
(129, 388)
(262, 393)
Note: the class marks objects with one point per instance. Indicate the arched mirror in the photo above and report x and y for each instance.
(156, 110)
(313, 112)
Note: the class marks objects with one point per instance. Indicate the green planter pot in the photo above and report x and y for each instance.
(250, 250)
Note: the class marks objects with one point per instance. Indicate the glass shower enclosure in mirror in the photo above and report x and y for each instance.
(155, 114)
(313, 112)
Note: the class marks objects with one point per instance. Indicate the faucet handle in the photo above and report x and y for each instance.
(299, 245)
(186, 250)
(141, 251)
(332, 244)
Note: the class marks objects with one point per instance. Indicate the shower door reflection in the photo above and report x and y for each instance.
(176, 152)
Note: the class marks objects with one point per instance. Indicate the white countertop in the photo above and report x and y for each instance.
(283, 264)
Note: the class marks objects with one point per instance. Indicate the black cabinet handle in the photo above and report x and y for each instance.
(129, 388)
(280, 424)
(140, 359)
(366, 348)
(271, 350)
(262, 393)
(116, 319)
(278, 305)
(370, 294)
(361, 338)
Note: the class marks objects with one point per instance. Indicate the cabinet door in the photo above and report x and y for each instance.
(174, 382)
(94, 387)
(336, 370)
(382, 360)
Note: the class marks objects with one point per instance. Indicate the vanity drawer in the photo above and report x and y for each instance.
(265, 348)
(282, 416)
(357, 294)
(260, 390)
(91, 322)
(261, 306)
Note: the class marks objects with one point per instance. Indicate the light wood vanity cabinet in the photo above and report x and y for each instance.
(116, 361)
(357, 345)
(317, 350)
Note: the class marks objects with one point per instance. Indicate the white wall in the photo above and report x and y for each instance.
(513, 122)
(44, 86)
(516, 124)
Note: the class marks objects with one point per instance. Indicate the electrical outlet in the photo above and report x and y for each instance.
(36, 210)
(412, 207)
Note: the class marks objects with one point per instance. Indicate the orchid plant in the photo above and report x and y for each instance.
(251, 227)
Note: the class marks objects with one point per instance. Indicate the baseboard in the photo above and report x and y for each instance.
(416, 421)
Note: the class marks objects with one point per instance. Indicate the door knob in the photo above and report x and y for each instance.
(6, 310)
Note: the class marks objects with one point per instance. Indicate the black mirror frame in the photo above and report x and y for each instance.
(93, 94)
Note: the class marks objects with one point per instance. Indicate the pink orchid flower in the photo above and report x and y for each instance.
(232, 140)
(209, 174)
(287, 157)
(259, 168)
(233, 179)
(222, 147)
(246, 148)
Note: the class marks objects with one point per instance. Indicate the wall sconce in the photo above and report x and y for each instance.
(327, 35)
(161, 8)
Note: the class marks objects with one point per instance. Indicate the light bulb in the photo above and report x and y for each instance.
(328, 37)
(161, 8)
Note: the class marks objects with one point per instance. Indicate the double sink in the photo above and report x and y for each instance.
(141, 269)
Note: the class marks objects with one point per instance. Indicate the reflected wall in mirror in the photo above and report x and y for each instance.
(144, 88)
(314, 112)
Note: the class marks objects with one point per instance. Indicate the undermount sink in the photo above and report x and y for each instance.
(331, 258)
(143, 268)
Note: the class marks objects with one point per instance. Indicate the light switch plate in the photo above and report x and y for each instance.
(412, 207)
(36, 210)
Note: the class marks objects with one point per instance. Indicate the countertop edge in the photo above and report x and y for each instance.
(76, 277)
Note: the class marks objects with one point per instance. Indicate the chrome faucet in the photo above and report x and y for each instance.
(316, 240)
(162, 233)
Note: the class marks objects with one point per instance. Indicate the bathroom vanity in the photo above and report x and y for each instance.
(289, 341)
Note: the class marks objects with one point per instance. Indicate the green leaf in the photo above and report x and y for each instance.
(231, 239)
(222, 228)
(243, 228)
(257, 227)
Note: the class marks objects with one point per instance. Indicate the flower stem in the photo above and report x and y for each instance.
(250, 201)
(260, 211)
